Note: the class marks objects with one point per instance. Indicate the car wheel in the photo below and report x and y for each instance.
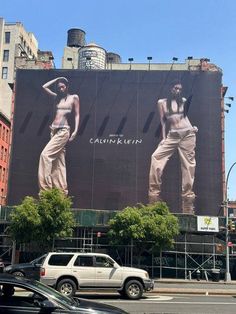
(18, 273)
(134, 289)
(67, 287)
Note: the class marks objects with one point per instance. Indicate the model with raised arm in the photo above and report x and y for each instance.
(52, 165)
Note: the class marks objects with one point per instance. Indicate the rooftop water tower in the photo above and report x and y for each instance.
(75, 37)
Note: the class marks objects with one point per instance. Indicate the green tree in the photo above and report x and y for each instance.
(147, 227)
(45, 219)
(57, 220)
(25, 221)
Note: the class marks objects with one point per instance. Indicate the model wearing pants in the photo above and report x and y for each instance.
(185, 141)
(52, 166)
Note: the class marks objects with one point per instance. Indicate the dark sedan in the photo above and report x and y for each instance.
(30, 270)
(21, 295)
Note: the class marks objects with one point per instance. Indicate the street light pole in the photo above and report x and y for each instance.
(227, 274)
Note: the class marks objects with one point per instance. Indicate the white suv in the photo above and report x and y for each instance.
(69, 272)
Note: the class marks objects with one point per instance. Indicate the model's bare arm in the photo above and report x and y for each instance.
(160, 106)
(49, 83)
(76, 107)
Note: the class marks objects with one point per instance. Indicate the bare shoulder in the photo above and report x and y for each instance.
(161, 102)
(75, 97)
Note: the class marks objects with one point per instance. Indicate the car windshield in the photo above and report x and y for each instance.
(57, 296)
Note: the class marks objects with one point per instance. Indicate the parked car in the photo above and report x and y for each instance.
(69, 272)
(30, 270)
(21, 295)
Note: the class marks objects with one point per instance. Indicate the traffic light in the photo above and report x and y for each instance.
(232, 225)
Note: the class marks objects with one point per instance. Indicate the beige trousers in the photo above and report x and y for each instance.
(52, 166)
(185, 142)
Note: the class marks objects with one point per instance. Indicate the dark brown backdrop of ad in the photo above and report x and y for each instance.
(108, 162)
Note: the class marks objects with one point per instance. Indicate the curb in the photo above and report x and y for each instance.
(194, 291)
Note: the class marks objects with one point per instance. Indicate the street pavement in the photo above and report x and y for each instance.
(202, 287)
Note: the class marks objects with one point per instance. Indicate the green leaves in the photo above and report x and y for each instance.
(25, 220)
(126, 225)
(150, 226)
(44, 219)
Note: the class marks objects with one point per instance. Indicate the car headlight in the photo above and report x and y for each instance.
(146, 274)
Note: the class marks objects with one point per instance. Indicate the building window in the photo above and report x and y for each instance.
(3, 133)
(1, 154)
(4, 73)
(5, 55)
(7, 37)
(3, 174)
(5, 155)
(7, 136)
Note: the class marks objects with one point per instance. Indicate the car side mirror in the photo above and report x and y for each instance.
(110, 263)
(48, 305)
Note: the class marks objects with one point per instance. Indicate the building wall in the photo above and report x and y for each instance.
(4, 157)
(108, 162)
(21, 43)
(70, 58)
(24, 63)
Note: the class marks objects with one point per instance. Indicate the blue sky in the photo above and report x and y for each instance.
(158, 28)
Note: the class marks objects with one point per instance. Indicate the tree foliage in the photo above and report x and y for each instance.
(44, 219)
(150, 227)
(25, 220)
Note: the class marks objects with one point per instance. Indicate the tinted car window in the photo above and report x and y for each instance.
(102, 261)
(60, 260)
(14, 295)
(84, 261)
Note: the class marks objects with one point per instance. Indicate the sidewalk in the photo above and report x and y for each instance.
(202, 287)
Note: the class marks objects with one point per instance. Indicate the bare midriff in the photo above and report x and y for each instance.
(64, 108)
(177, 121)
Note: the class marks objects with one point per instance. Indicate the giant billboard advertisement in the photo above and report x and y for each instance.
(112, 139)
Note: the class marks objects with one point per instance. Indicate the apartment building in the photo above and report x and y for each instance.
(15, 41)
(18, 50)
(4, 156)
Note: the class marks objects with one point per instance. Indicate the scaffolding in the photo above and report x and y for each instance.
(192, 254)
(193, 251)
(6, 243)
(83, 241)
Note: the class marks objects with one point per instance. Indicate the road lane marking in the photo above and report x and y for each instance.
(165, 302)
(158, 298)
(206, 303)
